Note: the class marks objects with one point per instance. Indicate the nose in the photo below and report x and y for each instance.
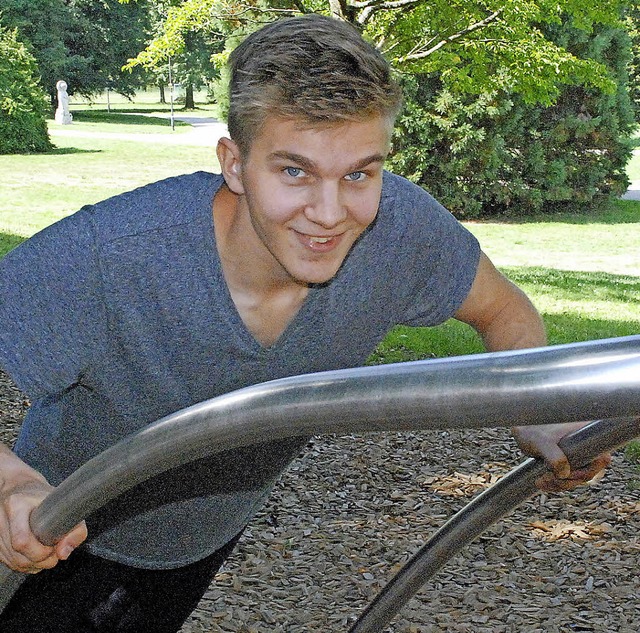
(327, 207)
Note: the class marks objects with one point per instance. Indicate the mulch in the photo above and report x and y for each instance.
(352, 509)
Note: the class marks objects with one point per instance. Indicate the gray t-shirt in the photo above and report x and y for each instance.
(119, 315)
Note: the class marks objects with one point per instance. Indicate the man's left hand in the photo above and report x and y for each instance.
(542, 441)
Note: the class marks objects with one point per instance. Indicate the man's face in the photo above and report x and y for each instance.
(309, 192)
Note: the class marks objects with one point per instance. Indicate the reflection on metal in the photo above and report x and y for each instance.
(565, 383)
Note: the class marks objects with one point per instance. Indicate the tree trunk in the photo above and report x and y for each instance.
(163, 98)
(189, 102)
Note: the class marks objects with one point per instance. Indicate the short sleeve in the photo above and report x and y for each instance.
(450, 254)
(52, 320)
(435, 256)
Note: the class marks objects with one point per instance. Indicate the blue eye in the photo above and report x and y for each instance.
(355, 176)
(294, 172)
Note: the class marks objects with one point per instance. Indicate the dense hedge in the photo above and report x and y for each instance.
(490, 154)
(23, 105)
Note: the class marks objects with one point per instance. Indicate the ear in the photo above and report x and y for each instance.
(230, 164)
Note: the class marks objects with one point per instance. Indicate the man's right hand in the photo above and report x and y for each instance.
(21, 490)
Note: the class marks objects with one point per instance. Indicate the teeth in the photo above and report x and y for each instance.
(320, 240)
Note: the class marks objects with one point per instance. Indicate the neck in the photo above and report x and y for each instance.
(266, 298)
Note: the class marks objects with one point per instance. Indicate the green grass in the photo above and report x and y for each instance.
(39, 189)
(132, 122)
(608, 240)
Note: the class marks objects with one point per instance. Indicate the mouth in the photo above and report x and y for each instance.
(319, 243)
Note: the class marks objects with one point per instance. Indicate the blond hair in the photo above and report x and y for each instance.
(311, 68)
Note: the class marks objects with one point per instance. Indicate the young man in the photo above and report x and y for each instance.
(298, 258)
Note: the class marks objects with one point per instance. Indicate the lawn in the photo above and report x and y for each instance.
(92, 161)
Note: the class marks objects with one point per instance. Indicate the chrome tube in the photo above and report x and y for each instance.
(565, 383)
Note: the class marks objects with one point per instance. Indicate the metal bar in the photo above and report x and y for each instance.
(565, 383)
(483, 511)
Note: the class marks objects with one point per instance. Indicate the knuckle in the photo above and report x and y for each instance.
(26, 567)
(20, 542)
(48, 563)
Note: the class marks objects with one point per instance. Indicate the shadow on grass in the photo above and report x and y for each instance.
(453, 338)
(123, 117)
(60, 151)
(8, 241)
(608, 212)
(572, 328)
(578, 285)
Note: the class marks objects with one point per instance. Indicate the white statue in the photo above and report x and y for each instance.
(63, 116)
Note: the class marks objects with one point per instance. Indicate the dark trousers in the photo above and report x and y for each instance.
(87, 594)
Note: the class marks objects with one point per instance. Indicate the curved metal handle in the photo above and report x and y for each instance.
(580, 381)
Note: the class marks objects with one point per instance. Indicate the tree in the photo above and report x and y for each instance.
(189, 50)
(109, 33)
(23, 105)
(474, 46)
(495, 152)
(511, 104)
(83, 42)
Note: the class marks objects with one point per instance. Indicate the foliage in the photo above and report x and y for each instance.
(494, 153)
(476, 47)
(23, 105)
(480, 47)
(632, 23)
(83, 42)
(183, 39)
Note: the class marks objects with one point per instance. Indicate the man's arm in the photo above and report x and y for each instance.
(506, 319)
(21, 490)
(500, 312)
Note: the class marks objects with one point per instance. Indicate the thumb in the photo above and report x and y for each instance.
(556, 460)
(71, 541)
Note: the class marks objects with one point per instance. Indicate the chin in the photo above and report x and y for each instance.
(315, 278)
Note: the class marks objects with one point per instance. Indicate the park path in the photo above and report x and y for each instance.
(204, 131)
(633, 192)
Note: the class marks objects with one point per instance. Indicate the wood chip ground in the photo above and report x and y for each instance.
(351, 510)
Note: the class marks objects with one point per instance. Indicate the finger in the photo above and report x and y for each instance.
(22, 542)
(20, 548)
(556, 460)
(549, 482)
(29, 567)
(19, 562)
(588, 472)
(71, 541)
(601, 462)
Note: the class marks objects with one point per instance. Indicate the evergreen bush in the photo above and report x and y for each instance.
(493, 153)
(23, 105)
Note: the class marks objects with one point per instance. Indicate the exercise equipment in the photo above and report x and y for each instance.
(565, 383)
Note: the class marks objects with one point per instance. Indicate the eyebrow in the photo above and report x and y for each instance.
(309, 165)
